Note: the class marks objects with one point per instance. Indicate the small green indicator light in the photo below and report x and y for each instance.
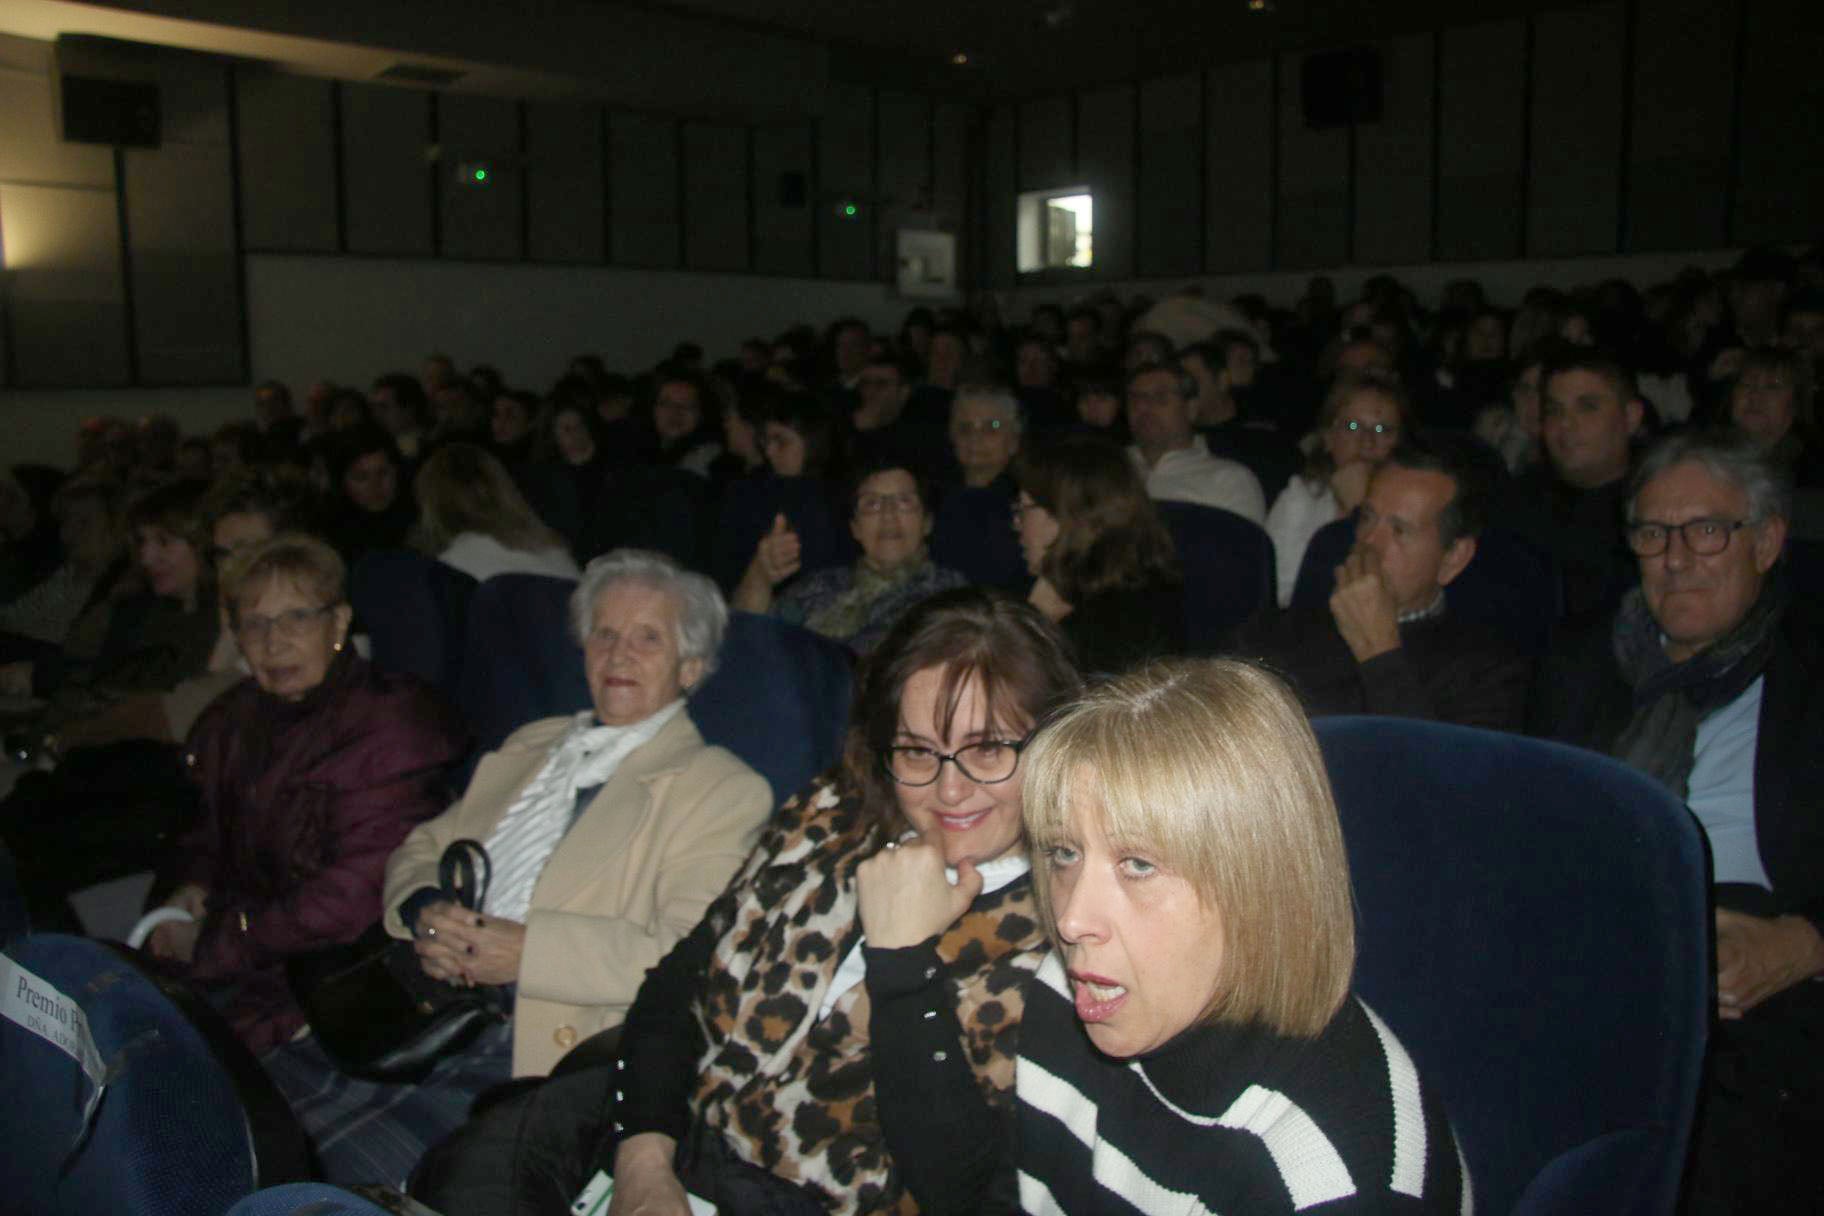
(848, 209)
(481, 175)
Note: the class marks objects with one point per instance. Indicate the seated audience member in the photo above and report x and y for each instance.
(400, 405)
(29, 546)
(1571, 506)
(743, 414)
(1106, 569)
(572, 463)
(512, 422)
(945, 360)
(194, 460)
(155, 634)
(369, 506)
(882, 427)
(682, 424)
(608, 833)
(1036, 381)
(762, 1098)
(311, 773)
(1772, 403)
(91, 543)
(1172, 457)
(969, 535)
(1085, 352)
(1513, 429)
(1707, 681)
(1096, 405)
(1220, 417)
(890, 518)
(473, 518)
(273, 413)
(801, 437)
(1386, 643)
(1360, 423)
(1195, 1021)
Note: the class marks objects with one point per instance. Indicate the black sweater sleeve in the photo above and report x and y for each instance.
(661, 1041)
(947, 1141)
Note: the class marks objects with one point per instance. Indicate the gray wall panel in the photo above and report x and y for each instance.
(1313, 182)
(1105, 162)
(1239, 181)
(782, 232)
(715, 200)
(288, 161)
(186, 290)
(1678, 154)
(845, 166)
(643, 190)
(1782, 159)
(386, 180)
(67, 293)
(1047, 155)
(566, 190)
(1393, 159)
(479, 221)
(1169, 214)
(30, 147)
(1481, 133)
(1574, 190)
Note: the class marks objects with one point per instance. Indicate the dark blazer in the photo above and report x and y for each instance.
(1581, 698)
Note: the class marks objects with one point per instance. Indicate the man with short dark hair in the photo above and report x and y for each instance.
(1705, 680)
(1386, 643)
(1571, 505)
(884, 429)
(1172, 457)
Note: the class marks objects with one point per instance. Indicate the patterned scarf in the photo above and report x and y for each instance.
(795, 1094)
(1670, 699)
(526, 836)
(848, 614)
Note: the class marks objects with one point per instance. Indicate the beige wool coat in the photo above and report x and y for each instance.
(633, 874)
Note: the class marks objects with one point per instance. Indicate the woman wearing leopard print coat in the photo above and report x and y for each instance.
(891, 903)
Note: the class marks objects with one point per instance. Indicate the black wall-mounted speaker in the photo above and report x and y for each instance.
(1341, 87)
(124, 113)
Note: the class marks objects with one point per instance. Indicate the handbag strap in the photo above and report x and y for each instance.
(464, 871)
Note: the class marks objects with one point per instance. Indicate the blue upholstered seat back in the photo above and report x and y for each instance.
(169, 1135)
(414, 610)
(778, 700)
(305, 1199)
(1533, 923)
(1228, 570)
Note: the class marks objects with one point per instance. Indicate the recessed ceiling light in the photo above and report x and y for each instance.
(1260, 6)
(960, 59)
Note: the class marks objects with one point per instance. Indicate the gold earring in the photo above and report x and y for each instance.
(338, 648)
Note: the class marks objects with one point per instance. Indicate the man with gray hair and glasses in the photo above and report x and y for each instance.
(1708, 681)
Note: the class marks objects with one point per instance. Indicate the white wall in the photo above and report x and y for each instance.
(349, 319)
(1504, 282)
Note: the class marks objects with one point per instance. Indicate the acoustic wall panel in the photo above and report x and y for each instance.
(1781, 192)
(1105, 163)
(1313, 227)
(643, 190)
(1393, 159)
(905, 153)
(715, 197)
(1579, 87)
(566, 188)
(1169, 214)
(31, 149)
(185, 272)
(1678, 149)
(1048, 153)
(287, 142)
(1238, 164)
(950, 123)
(479, 218)
(1001, 206)
(783, 226)
(386, 173)
(66, 291)
(1481, 141)
(845, 169)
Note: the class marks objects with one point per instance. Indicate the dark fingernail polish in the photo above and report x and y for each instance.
(469, 949)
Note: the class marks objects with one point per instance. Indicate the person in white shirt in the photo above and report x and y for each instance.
(474, 518)
(1173, 458)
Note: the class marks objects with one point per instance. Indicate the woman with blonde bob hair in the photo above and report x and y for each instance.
(473, 517)
(1188, 862)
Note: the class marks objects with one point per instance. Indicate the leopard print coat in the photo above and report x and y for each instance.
(795, 1095)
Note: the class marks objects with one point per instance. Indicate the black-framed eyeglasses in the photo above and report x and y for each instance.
(1704, 537)
(988, 762)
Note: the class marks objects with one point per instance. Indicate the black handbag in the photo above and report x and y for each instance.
(376, 1013)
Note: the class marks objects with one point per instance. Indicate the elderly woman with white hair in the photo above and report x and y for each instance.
(608, 832)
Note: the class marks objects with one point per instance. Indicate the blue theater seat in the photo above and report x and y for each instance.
(414, 610)
(1533, 921)
(1228, 571)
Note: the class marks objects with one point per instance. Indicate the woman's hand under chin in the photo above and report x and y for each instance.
(905, 897)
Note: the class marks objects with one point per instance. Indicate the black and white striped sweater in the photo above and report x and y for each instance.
(1226, 1120)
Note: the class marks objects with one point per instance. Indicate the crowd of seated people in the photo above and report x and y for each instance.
(977, 512)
